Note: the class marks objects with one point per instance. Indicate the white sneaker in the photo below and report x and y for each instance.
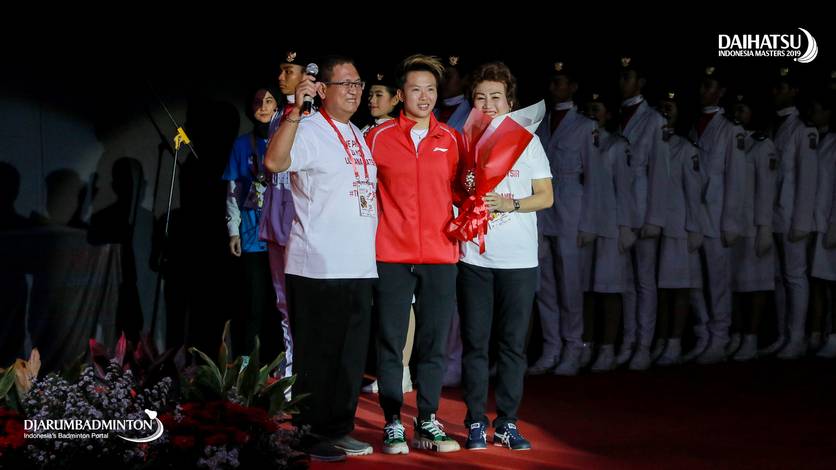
(748, 349)
(672, 353)
(828, 351)
(814, 343)
(605, 360)
(546, 363)
(586, 354)
(714, 353)
(794, 349)
(370, 388)
(695, 352)
(734, 344)
(641, 359)
(394, 438)
(658, 349)
(772, 348)
(570, 362)
(625, 352)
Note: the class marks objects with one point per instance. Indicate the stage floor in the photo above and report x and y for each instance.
(765, 414)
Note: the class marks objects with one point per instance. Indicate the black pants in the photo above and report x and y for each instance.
(330, 321)
(434, 286)
(504, 298)
(259, 315)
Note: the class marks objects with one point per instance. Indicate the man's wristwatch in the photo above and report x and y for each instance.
(516, 205)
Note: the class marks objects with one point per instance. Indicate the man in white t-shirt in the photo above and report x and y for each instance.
(330, 254)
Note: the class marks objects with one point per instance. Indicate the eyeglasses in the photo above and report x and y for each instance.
(359, 85)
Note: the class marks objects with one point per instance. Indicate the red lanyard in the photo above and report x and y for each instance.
(345, 146)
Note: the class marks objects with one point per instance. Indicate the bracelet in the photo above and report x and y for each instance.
(294, 121)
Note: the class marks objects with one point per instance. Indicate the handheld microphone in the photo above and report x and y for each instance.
(307, 101)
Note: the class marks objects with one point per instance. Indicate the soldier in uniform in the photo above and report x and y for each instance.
(722, 157)
(454, 107)
(383, 100)
(610, 268)
(753, 279)
(644, 128)
(796, 143)
(823, 269)
(569, 138)
(679, 262)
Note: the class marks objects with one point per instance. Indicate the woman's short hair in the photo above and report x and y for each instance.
(420, 63)
(495, 72)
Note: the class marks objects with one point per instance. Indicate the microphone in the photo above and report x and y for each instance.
(307, 101)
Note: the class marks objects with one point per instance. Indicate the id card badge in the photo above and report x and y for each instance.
(367, 199)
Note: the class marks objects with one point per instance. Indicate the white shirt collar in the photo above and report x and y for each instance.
(712, 109)
(564, 106)
(632, 101)
(787, 111)
(291, 98)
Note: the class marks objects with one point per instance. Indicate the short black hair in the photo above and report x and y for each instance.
(326, 68)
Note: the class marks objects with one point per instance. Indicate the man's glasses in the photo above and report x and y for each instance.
(346, 85)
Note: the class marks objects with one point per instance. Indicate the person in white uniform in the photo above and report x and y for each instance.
(610, 268)
(679, 261)
(823, 269)
(796, 143)
(569, 138)
(643, 127)
(722, 144)
(753, 279)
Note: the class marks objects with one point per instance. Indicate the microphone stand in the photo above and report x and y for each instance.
(179, 139)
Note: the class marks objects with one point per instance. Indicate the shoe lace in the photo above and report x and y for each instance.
(394, 431)
(477, 431)
(433, 427)
(511, 433)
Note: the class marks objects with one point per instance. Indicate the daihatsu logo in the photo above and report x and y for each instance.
(800, 47)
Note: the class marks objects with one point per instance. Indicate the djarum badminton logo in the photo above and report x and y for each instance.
(801, 48)
(95, 428)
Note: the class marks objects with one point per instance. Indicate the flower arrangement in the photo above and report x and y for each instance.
(229, 413)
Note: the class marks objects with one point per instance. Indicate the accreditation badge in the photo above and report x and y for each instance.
(367, 199)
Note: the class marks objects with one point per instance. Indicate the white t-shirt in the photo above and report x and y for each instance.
(511, 241)
(417, 136)
(329, 239)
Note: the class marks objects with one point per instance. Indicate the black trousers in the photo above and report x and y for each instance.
(434, 286)
(330, 321)
(259, 315)
(504, 299)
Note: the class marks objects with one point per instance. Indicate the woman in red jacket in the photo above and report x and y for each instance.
(417, 159)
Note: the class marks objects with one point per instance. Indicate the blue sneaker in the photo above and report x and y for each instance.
(508, 436)
(477, 438)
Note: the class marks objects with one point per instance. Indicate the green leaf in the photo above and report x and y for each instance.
(249, 376)
(212, 366)
(7, 381)
(265, 371)
(290, 407)
(231, 375)
(72, 372)
(226, 347)
(205, 382)
(283, 384)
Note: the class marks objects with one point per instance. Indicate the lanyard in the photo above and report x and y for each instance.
(345, 146)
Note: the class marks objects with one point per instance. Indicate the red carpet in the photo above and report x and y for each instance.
(767, 414)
